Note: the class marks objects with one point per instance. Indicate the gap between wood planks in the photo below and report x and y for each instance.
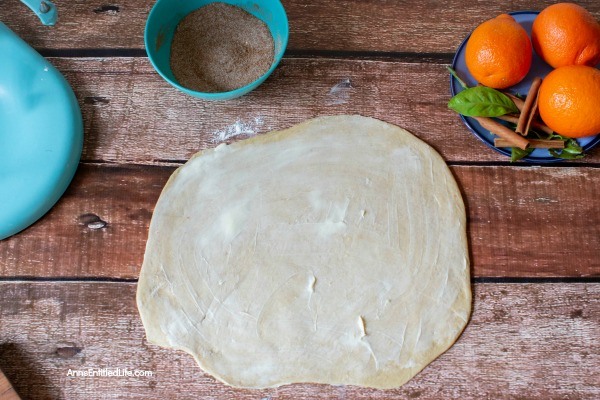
(409, 57)
(476, 280)
(518, 164)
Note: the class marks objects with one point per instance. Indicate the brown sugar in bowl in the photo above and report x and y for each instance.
(164, 19)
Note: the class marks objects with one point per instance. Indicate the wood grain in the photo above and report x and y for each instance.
(401, 26)
(131, 115)
(534, 341)
(98, 228)
(523, 222)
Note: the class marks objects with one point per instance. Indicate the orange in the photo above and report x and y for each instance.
(498, 52)
(569, 100)
(566, 34)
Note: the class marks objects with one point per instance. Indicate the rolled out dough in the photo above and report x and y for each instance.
(331, 252)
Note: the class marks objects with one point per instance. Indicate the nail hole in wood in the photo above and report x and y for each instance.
(107, 9)
(67, 352)
(92, 221)
(95, 100)
(577, 314)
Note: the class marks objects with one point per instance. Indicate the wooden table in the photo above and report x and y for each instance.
(67, 284)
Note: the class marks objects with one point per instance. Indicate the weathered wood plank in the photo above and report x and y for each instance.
(523, 222)
(98, 228)
(340, 25)
(524, 341)
(132, 115)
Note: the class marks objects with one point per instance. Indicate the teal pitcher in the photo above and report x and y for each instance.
(41, 129)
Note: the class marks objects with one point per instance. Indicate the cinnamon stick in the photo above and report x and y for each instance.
(535, 124)
(533, 143)
(518, 102)
(528, 106)
(502, 131)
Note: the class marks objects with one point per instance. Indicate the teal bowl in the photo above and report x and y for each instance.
(41, 134)
(166, 15)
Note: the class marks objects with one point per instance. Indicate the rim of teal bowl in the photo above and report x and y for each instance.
(221, 95)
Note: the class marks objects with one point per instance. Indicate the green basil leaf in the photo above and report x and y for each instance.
(482, 101)
(573, 145)
(516, 153)
(557, 136)
(572, 150)
(566, 156)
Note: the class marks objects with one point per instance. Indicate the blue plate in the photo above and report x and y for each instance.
(538, 68)
(41, 134)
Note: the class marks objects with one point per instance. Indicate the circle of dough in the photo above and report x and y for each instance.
(331, 252)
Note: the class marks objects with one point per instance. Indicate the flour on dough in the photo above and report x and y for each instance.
(331, 252)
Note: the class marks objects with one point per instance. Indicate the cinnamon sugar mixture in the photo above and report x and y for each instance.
(220, 47)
